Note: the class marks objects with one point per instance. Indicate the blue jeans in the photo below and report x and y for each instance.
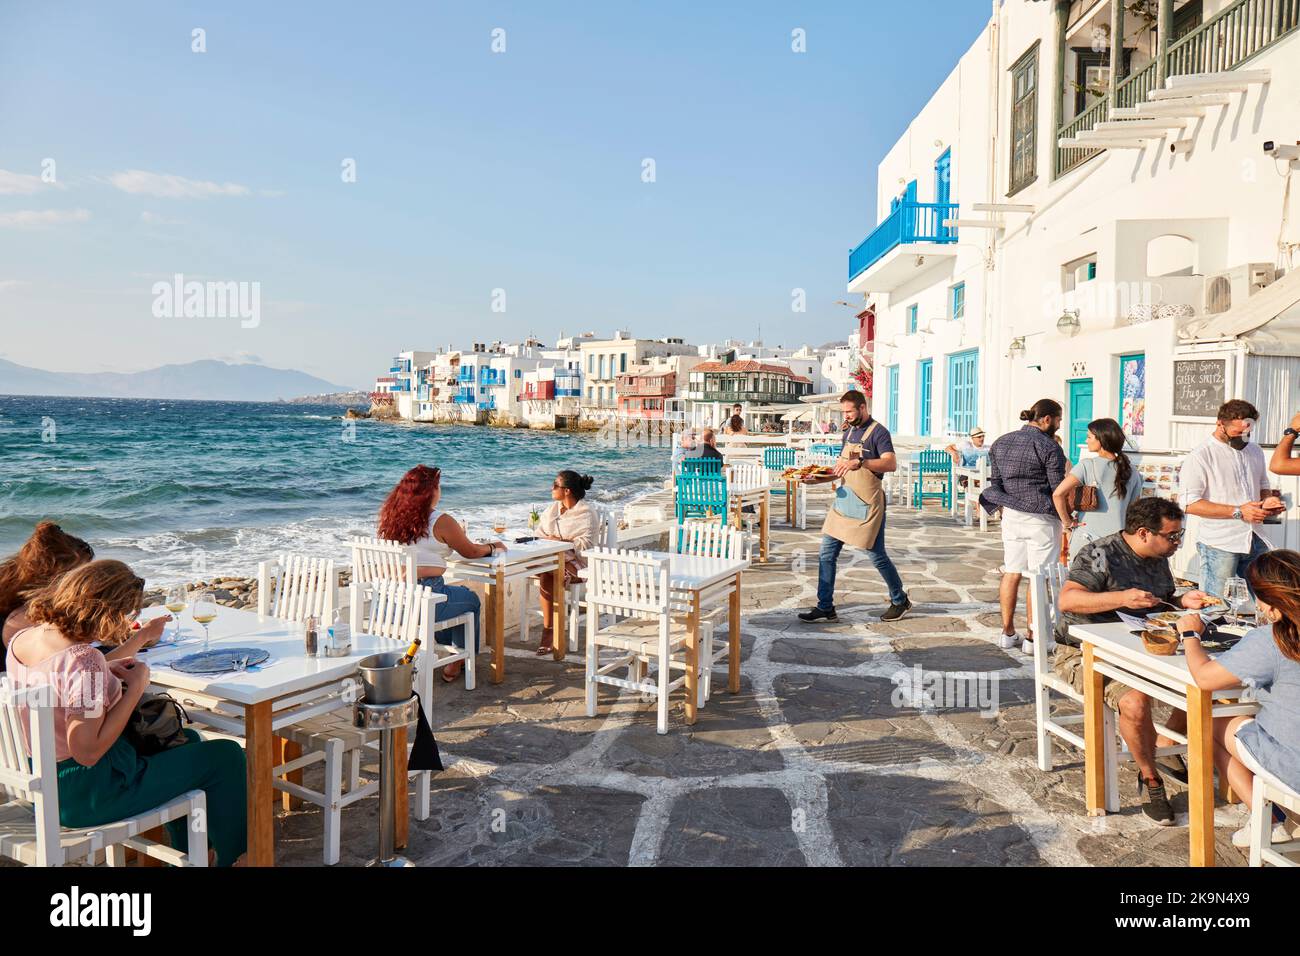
(460, 600)
(1218, 565)
(830, 554)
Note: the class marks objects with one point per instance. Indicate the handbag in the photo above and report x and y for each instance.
(156, 724)
(1087, 497)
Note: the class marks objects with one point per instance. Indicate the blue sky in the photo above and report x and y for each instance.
(475, 170)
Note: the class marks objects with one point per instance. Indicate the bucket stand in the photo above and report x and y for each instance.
(386, 718)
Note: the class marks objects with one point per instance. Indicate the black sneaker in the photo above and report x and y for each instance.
(1173, 766)
(896, 611)
(1156, 806)
(817, 614)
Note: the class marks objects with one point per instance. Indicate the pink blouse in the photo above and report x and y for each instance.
(80, 681)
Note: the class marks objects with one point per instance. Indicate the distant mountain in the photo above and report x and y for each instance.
(206, 380)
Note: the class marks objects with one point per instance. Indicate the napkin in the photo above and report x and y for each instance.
(424, 750)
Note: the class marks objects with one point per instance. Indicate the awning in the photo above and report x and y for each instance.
(1268, 321)
(800, 415)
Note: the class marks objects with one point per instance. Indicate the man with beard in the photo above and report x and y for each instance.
(1224, 482)
(857, 516)
(1025, 467)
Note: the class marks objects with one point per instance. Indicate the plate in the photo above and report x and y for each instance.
(223, 661)
(1167, 618)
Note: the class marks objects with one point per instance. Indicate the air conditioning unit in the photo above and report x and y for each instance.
(1234, 286)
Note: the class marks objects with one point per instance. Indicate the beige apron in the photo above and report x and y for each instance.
(859, 507)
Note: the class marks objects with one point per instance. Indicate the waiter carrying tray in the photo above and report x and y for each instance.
(857, 516)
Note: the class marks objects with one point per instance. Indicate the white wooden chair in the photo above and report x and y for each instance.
(375, 560)
(575, 609)
(977, 479)
(294, 587)
(710, 539)
(29, 817)
(1045, 586)
(400, 613)
(1268, 792)
(633, 587)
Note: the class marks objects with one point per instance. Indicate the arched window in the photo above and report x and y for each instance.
(1171, 255)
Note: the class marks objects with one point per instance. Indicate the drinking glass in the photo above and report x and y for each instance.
(499, 524)
(203, 608)
(176, 601)
(1238, 596)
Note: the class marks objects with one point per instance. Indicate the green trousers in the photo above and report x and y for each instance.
(123, 784)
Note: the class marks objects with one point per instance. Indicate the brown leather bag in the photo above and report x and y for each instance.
(1086, 498)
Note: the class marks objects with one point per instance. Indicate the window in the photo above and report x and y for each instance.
(602, 367)
(1074, 274)
(963, 389)
(519, 373)
(912, 311)
(591, 364)
(893, 398)
(957, 301)
(1024, 121)
(925, 381)
(622, 362)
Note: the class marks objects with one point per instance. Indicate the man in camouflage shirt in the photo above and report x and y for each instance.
(1128, 571)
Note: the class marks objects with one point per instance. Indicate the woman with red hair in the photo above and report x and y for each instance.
(410, 515)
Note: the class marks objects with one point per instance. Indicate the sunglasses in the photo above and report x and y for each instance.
(1173, 537)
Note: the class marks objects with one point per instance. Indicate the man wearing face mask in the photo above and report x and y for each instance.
(1224, 483)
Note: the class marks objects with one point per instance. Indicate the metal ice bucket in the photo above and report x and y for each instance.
(384, 680)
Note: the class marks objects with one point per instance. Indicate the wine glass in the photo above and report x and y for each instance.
(499, 523)
(203, 608)
(177, 599)
(1238, 596)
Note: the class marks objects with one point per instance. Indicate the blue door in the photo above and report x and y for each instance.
(963, 387)
(925, 379)
(1080, 414)
(892, 424)
(943, 177)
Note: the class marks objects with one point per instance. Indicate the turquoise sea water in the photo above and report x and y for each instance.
(183, 490)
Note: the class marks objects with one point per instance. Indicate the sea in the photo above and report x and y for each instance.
(185, 491)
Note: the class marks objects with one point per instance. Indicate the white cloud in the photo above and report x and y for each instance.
(21, 184)
(42, 217)
(153, 219)
(7, 284)
(166, 186)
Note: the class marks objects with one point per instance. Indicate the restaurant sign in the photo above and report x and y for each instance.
(1200, 386)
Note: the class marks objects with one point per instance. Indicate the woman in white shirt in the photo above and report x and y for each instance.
(569, 518)
(410, 515)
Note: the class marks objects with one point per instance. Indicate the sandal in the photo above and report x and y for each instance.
(544, 649)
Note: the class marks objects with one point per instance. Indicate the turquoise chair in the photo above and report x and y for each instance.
(701, 466)
(932, 462)
(701, 496)
(832, 450)
(778, 459)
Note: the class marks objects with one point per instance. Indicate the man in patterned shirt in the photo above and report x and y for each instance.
(1128, 571)
(1025, 467)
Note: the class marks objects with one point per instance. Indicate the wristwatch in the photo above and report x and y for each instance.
(1290, 432)
(1236, 514)
(1189, 633)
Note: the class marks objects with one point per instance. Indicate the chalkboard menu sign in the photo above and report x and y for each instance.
(1200, 386)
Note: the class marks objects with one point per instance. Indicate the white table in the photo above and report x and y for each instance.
(695, 580)
(519, 562)
(289, 674)
(977, 479)
(1112, 650)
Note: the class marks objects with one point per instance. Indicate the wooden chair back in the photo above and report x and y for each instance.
(627, 583)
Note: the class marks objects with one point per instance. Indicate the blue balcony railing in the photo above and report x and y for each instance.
(466, 374)
(909, 222)
(492, 376)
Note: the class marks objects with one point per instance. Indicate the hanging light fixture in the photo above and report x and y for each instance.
(1017, 347)
(1068, 324)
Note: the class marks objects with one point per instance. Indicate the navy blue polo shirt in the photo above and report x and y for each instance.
(878, 443)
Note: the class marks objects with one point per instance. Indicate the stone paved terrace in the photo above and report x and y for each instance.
(810, 764)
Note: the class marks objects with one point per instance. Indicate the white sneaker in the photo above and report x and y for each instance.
(1009, 641)
(1242, 837)
(1027, 647)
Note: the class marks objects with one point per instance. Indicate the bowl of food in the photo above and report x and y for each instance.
(1166, 620)
(1160, 641)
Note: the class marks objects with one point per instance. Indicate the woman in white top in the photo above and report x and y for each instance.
(410, 515)
(569, 518)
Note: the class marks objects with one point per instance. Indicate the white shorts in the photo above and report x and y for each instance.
(1029, 541)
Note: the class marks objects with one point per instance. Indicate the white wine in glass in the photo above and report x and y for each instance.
(177, 599)
(203, 608)
(499, 524)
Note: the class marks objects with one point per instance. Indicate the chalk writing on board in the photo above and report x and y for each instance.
(1199, 386)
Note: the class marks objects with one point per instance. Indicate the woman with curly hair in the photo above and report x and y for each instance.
(101, 776)
(1268, 660)
(47, 554)
(410, 515)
